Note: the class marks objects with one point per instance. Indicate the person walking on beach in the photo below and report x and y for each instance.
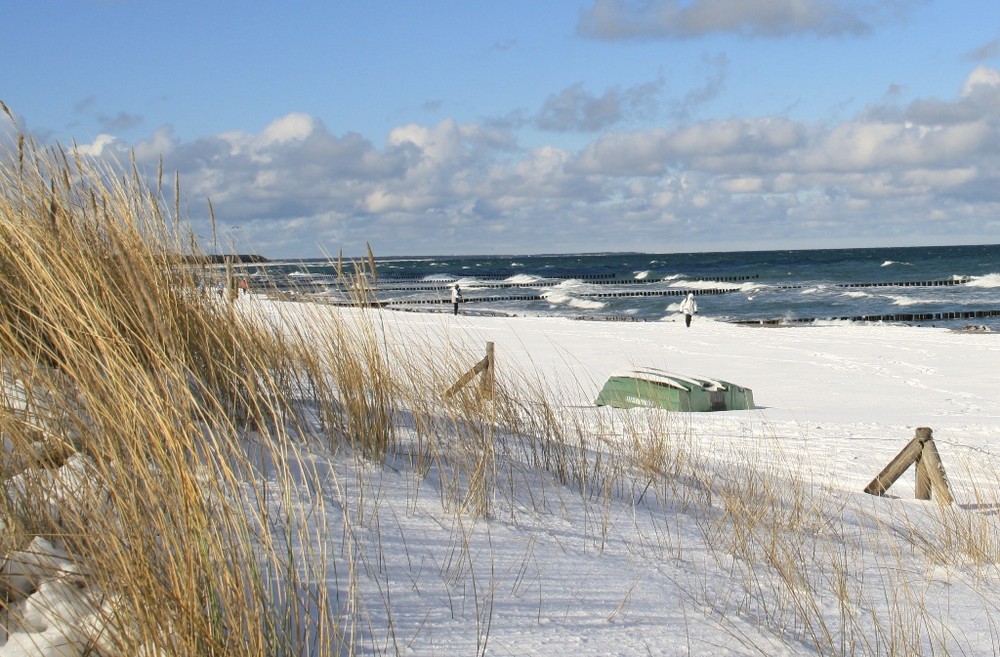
(689, 307)
(456, 296)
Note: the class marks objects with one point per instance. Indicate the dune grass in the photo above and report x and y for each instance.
(167, 460)
(131, 401)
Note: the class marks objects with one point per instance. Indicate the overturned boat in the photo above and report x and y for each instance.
(652, 388)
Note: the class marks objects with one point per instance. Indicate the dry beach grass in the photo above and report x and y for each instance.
(191, 474)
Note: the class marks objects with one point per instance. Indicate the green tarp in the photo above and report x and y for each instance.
(674, 392)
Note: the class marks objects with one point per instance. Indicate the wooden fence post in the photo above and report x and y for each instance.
(897, 466)
(935, 474)
(922, 489)
(922, 452)
(488, 373)
(484, 367)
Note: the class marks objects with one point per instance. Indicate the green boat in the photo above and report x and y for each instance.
(652, 388)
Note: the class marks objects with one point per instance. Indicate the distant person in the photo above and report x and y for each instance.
(456, 296)
(689, 307)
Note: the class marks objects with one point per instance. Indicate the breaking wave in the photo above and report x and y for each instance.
(989, 280)
(563, 299)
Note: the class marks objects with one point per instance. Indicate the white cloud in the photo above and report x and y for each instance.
(296, 189)
(981, 77)
(290, 128)
(637, 153)
(97, 148)
(160, 144)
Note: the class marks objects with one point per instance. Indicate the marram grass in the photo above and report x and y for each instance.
(117, 371)
(151, 437)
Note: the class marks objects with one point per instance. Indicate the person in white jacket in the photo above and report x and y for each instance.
(456, 296)
(689, 307)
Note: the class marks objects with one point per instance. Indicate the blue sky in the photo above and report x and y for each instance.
(430, 128)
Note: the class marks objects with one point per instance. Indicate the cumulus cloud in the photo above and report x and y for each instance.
(296, 189)
(982, 80)
(291, 128)
(102, 146)
(675, 19)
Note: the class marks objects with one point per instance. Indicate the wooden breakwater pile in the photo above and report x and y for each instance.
(381, 294)
(937, 316)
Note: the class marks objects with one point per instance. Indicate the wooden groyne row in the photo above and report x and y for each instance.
(939, 283)
(609, 279)
(947, 281)
(647, 281)
(534, 297)
(478, 286)
(657, 293)
(375, 303)
(892, 317)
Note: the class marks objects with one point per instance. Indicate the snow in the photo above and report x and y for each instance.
(757, 540)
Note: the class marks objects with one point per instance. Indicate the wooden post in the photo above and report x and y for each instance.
(487, 380)
(931, 462)
(922, 489)
(897, 466)
(484, 367)
(922, 452)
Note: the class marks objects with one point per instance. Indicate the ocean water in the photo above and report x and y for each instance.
(951, 286)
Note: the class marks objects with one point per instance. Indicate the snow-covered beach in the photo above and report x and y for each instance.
(751, 535)
(639, 572)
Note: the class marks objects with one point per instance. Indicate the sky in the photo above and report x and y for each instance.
(444, 127)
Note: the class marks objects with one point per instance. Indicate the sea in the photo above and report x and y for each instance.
(944, 286)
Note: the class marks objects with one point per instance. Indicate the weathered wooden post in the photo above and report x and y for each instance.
(488, 373)
(934, 472)
(897, 466)
(484, 367)
(922, 489)
(922, 452)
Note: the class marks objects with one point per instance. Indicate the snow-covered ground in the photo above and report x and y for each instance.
(755, 536)
(658, 570)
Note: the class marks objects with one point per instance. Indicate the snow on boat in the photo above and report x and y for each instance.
(653, 388)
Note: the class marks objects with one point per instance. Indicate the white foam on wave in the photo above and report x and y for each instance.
(521, 278)
(708, 285)
(856, 295)
(989, 280)
(640, 275)
(890, 263)
(562, 299)
(898, 300)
